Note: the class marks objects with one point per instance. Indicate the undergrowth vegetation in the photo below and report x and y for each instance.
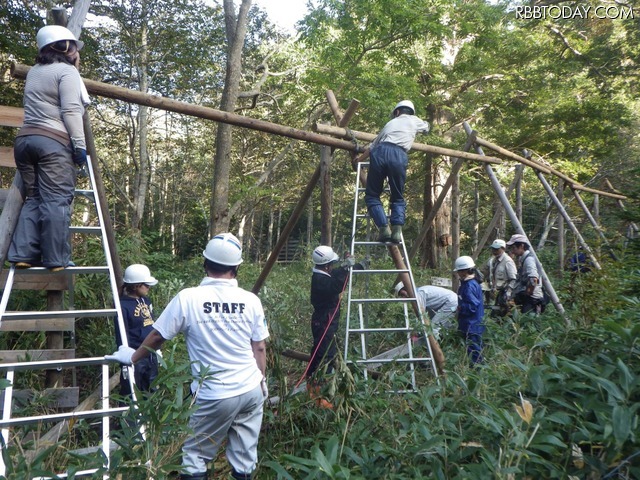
(553, 400)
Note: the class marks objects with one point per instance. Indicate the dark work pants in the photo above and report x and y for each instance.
(473, 340)
(387, 160)
(324, 350)
(49, 177)
(145, 372)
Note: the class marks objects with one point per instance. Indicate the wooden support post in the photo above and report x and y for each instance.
(567, 219)
(55, 339)
(333, 105)
(594, 222)
(426, 226)
(518, 226)
(496, 216)
(349, 113)
(326, 210)
(286, 231)
(561, 236)
(9, 216)
(633, 226)
(455, 226)
(518, 175)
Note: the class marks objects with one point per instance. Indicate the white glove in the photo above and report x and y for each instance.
(123, 355)
(265, 389)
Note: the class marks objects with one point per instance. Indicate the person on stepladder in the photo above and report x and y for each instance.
(48, 149)
(137, 315)
(327, 285)
(389, 160)
(470, 308)
(225, 331)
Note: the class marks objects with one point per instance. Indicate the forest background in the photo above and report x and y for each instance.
(563, 88)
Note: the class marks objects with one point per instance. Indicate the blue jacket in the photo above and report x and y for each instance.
(470, 307)
(138, 319)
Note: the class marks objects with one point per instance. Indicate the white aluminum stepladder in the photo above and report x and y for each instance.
(9, 370)
(369, 331)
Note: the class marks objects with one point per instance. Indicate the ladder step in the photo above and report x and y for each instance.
(365, 272)
(103, 412)
(383, 300)
(391, 360)
(378, 330)
(384, 244)
(105, 312)
(66, 271)
(92, 230)
(85, 193)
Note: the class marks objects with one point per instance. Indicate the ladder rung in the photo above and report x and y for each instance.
(85, 193)
(13, 422)
(379, 330)
(68, 270)
(105, 312)
(381, 300)
(384, 244)
(364, 272)
(391, 360)
(93, 230)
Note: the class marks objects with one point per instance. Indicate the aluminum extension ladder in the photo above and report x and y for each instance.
(373, 324)
(9, 370)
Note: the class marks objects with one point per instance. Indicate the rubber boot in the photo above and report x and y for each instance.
(385, 234)
(396, 233)
(240, 476)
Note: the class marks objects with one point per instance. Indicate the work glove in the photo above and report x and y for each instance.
(80, 156)
(265, 389)
(123, 355)
(349, 261)
(83, 171)
(364, 263)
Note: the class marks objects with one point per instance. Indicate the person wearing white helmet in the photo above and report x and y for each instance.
(389, 160)
(502, 274)
(225, 331)
(441, 304)
(470, 308)
(47, 150)
(528, 291)
(137, 315)
(327, 285)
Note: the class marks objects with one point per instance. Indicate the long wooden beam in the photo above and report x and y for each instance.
(539, 167)
(20, 71)
(420, 147)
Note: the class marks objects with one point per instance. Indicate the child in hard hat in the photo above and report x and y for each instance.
(137, 315)
(470, 307)
(389, 160)
(327, 285)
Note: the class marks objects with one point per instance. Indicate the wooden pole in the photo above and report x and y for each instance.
(539, 167)
(455, 226)
(326, 211)
(349, 113)
(426, 226)
(419, 147)
(518, 175)
(118, 93)
(9, 216)
(333, 105)
(518, 226)
(567, 219)
(594, 222)
(634, 227)
(282, 240)
(496, 215)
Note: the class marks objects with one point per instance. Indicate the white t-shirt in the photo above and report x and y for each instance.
(438, 299)
(401, 131)
(219, 320)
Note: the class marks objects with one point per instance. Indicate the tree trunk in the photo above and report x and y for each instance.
(325, 196)
(236, 28)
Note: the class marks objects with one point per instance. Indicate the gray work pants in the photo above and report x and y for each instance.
(238, 419)
(49, 177)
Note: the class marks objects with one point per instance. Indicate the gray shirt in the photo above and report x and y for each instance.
(502, 272)
(53, 99)
(437, 299)
(401, 131)
(528, 271)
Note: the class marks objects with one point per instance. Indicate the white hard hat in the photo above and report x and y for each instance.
(518, 238)
(463, 263)
(498, 243)
(398, 286)
(224, 249)
(404, 103)
(54, 33)
(138, 273)
(323, 255)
